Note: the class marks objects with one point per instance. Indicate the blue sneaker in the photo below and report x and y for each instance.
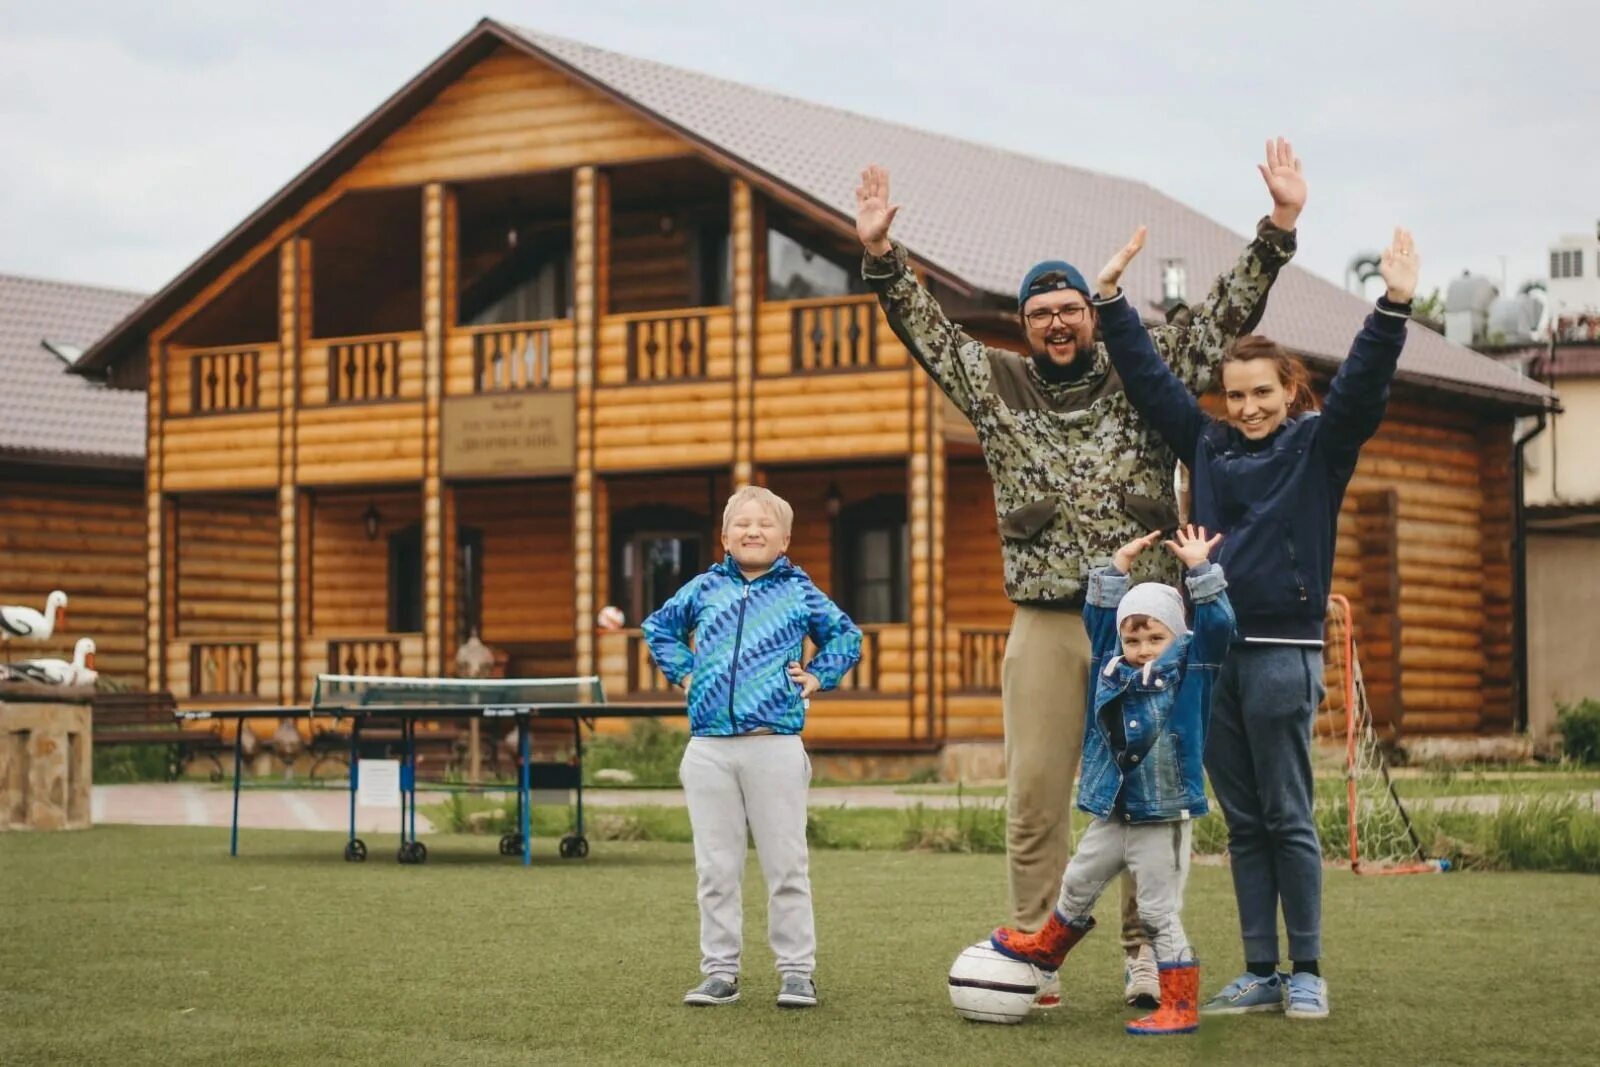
(1248, 993)
(1308, 997)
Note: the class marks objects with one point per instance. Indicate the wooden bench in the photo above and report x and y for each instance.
(140, 718)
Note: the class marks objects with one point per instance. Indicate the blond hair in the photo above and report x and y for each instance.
(777, 506)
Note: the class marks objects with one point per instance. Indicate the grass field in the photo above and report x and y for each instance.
(150, 946)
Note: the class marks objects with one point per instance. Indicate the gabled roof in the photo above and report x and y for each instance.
(975, 214)
(47, 414)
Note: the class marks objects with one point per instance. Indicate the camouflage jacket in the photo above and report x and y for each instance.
(1076, 472)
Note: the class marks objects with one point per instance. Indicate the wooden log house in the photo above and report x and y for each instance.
(71, 475)
(496, 359)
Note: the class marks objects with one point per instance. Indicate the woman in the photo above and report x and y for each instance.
(1271, 478)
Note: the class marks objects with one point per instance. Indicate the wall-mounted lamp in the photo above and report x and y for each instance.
(833, 501)
(370, 520)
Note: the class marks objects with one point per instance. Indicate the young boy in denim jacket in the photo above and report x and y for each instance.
(1141, 776)
(745, 769)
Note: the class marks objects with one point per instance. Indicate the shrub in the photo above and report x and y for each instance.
(651, 752)
(1580, 731)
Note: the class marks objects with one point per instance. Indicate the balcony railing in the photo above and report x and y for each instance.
(981, 653)
(364, 655)
(837, 336)
(667, 348)
(363, 369)
(227, 380)
(643, 675)
(224, 669)
(517, 357)
(864, 677)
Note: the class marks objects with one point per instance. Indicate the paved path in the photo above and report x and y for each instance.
(198, 804)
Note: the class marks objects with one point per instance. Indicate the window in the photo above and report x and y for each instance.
(529, 286)
(874, 560)
(655, 550)
(405, 580)
(469, 583)
(796, 272)
(1566, 263)
(712, 250)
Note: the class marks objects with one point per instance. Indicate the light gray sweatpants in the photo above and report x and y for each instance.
(1156, 854)
(757, 782)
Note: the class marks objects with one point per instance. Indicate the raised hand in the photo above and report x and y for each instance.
(1284, 181)
(1399, 267)
(1111, 273)
(1189, 544)
(1123, 559)
(873, 213)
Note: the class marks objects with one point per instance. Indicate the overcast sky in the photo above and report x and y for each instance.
(133, 135)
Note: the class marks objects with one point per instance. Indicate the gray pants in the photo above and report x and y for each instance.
(1157, 855)
(1258, 755)
(757, 784)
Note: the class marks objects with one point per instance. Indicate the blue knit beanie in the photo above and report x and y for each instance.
(1032, 286)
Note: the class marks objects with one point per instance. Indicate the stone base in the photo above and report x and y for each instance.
(46, 766)
(1456, 751)
(973, 761)
(874, 766)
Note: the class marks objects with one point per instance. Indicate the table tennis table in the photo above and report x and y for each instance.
(362, 700)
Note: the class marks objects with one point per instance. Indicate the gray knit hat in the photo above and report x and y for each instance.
(1160, 602)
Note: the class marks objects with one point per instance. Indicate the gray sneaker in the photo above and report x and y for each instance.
(713, 991)
(797, 991)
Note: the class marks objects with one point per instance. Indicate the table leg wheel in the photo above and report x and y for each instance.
(510, 844)
(355, 850)
(574, 847)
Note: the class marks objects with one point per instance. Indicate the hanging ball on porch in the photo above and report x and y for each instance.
(610, 618)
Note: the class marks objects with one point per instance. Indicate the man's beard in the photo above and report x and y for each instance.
(1051, 371)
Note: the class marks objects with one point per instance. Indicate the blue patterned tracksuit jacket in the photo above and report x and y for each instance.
(746, 633)
(1163, 708)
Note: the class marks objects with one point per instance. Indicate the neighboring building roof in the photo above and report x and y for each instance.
(973, 213)
(47, 414)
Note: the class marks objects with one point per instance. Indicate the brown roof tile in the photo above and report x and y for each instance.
(47, 413)
(985, 215)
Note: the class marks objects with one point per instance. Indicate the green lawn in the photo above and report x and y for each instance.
(128, 945)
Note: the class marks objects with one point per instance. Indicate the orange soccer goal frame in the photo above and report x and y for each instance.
(1358, 719)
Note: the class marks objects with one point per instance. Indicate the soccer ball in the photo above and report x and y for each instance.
(988, 987)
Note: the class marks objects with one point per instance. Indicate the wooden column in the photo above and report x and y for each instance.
(157, 544)
(925, 541)
(741, 214)
(434, 197)
(294, 324)
(590, 243)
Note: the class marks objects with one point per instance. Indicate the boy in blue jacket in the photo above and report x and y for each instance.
(1141, 776)
(745, 769)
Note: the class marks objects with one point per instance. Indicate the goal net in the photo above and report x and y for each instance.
(1367, 812)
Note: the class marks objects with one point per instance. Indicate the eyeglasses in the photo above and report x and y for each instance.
(1071, 315)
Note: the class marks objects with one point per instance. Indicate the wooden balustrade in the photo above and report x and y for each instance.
(838, 336)
(224, 669)
(517, 357)
(365, 368)
(667, 348)
(864, 677)
(644, 677)
(225, 380)
(982, 655)
(364, 655)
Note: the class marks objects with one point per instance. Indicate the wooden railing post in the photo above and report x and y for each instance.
(591, 236)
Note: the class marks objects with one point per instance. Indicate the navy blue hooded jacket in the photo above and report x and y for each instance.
(1276, 500)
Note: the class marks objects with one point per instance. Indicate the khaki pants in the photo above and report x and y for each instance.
(1044, 689)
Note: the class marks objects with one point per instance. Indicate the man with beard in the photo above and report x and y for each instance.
(1076, 474)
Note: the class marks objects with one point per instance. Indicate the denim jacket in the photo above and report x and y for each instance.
(1165, 706)
(746, 633)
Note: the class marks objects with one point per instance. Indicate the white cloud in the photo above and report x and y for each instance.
(137, 135)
